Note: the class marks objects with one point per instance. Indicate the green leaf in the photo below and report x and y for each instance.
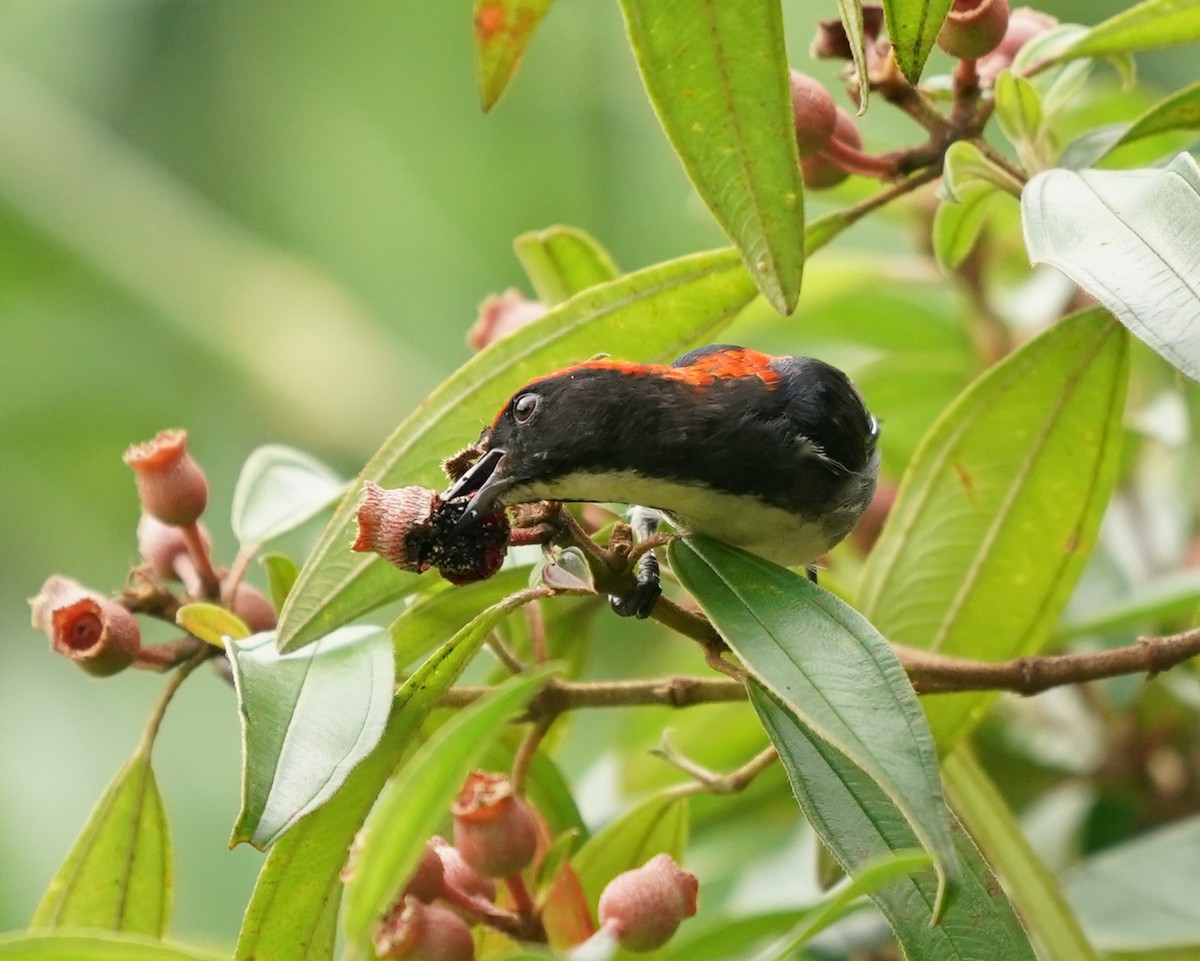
(502, 32)
(876, 874)
(1019, 114)
(278, 489)
(717, 75)
(290, 915)
(562, 262)
(211, 623)
(419, 797)
(859, 824)
(1155, 23)
(93, 947)
(1127, 238)
(307, 719)
(1000, 506)
(654, 314)
(656, 825)
(117, 875)
(435, 616)
(957, 223)
(1018, 107)
(851, 15)
(965, 164)
(913, 26)
(1179, 111)
(1036, 893)
(281, 576)
(832, 669)
(1140, 895)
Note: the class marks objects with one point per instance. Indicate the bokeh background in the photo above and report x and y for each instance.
(265, 221)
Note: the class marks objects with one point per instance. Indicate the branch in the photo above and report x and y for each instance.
(937, 674)
(558, 697)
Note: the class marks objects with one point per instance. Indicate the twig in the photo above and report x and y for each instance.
(528, 748)
(154, 722)
(199, 554)
(705, 781)
(506, 657)
(237, 571)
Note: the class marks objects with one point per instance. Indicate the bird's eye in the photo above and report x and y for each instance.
(524, 406)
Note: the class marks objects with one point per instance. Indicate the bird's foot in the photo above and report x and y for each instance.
(640, 601)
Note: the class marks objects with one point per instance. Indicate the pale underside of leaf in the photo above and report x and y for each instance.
(308, 718)
(1130, 238)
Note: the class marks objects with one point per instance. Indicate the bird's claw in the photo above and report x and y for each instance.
(640, 601)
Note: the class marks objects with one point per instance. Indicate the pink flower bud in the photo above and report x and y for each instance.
(643, 907)
(397, 525)
(252, 606)
(414, 529)
(459, 875)
(1024, 24)
(973, 28)
(500, 315)
(171, 485)
(428, 879)
(495, 831)
(424, 932)
(821, 172)
(814, 112)
(164, 548)
(96, 633)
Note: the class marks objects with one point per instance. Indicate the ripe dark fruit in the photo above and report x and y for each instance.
(814, 111)
(472, 554)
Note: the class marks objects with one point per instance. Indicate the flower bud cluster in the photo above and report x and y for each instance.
(498, 836)
(100, 634)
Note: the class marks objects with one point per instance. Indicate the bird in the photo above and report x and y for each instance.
(774, 454)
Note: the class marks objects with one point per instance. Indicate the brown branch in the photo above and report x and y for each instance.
(558, 697)
(938, 674)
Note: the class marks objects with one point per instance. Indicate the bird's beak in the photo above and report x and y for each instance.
(483, 484)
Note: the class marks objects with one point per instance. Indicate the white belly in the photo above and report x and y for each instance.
(769, 532)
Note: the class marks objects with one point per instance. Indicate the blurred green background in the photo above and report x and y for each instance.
(261, 221)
